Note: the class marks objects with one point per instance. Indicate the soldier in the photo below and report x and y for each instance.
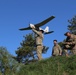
(39, 39)
(56, 50)
(70, 43)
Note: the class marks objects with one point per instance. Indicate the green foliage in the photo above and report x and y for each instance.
(27, 50)
(61, 44)
(59, 65)
(8, 65)
(72, 25)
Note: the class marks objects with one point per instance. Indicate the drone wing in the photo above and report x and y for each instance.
(44, 22)
(28, 28)
(48, 32)
(39, 24)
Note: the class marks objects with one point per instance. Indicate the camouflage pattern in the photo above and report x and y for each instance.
(38, 36)
(39, 52)
(70, 44)
(39, 44)
(56, 50)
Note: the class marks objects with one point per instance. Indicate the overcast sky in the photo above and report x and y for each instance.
(15, 14)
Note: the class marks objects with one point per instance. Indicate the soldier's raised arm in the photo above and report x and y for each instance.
(34, 29)
(37, 32)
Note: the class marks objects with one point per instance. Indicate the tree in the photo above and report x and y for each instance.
(27, 52)
(72, 25)
(7, 63)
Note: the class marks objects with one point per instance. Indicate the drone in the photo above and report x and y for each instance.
(38, 26)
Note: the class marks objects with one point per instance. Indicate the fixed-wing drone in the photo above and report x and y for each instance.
(37, 26)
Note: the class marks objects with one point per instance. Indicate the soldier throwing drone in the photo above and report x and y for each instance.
(39, 34)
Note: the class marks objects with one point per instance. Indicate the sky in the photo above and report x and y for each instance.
(16, 14)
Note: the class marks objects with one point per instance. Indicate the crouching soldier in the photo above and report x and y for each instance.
(70, 43)
(56, 50)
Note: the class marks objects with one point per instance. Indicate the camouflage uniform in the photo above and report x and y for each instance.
(70, 44)
(39, 39)
(56, 50)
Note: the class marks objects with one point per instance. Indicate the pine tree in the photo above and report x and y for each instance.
(72, 25)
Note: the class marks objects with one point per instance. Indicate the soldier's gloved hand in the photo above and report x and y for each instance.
(67, 46)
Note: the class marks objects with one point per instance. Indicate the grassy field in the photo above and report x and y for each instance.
(59, 65)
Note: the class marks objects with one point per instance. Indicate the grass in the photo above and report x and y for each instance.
(59, 65)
